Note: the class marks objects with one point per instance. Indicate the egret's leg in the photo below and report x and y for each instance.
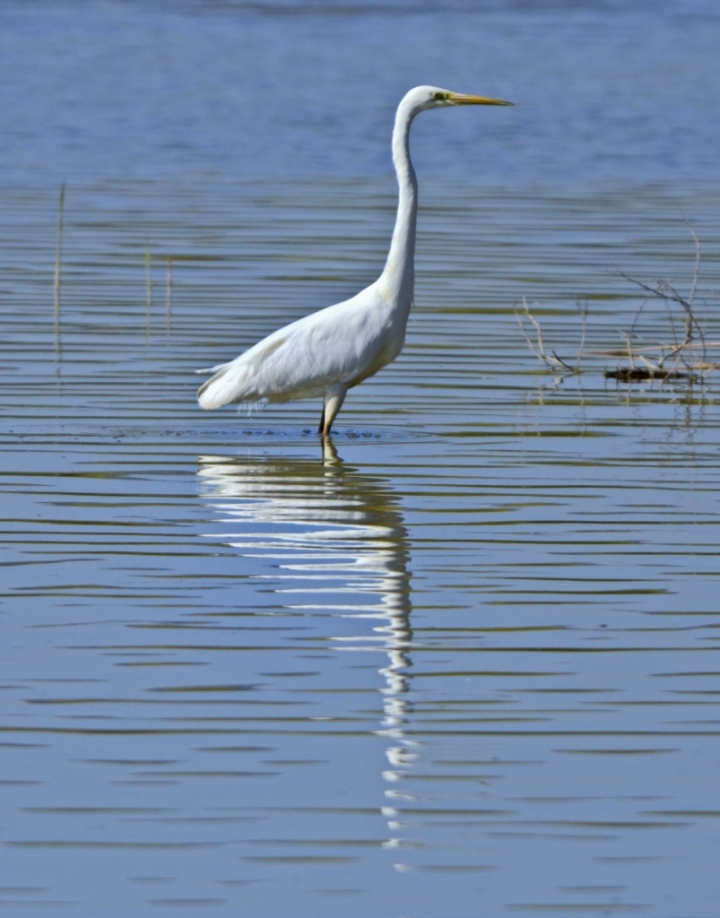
(334, 398)
(322, 421)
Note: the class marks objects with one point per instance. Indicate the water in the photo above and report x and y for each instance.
(462, 661)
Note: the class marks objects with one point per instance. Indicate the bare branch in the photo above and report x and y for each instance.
(673, 360)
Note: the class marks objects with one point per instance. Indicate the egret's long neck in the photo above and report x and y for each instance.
(398, 276)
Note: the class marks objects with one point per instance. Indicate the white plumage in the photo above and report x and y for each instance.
(332, 350)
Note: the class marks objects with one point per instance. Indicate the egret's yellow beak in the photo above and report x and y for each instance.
(458, 98)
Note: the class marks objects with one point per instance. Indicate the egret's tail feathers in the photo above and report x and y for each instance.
(228, 386)
(215, 391)
(206, 371)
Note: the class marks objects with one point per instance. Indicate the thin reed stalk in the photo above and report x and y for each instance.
(58, 262)
(168, 314)
(148, 287)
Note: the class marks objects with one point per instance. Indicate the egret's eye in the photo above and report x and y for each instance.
(441, 96)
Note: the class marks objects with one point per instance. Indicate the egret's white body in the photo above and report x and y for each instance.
(332, 350)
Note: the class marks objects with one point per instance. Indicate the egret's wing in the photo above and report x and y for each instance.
(300, 360)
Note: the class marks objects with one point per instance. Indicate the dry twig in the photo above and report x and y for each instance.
(672, 360)
(538, 349)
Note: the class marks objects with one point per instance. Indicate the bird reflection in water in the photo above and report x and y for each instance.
(330, 528)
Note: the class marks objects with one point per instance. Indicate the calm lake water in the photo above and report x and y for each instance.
(464, 660)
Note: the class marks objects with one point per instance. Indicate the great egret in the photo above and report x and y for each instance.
(332, 350)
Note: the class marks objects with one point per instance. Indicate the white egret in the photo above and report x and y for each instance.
(332, 350)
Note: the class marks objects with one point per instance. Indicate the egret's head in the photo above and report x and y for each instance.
(424, 97)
